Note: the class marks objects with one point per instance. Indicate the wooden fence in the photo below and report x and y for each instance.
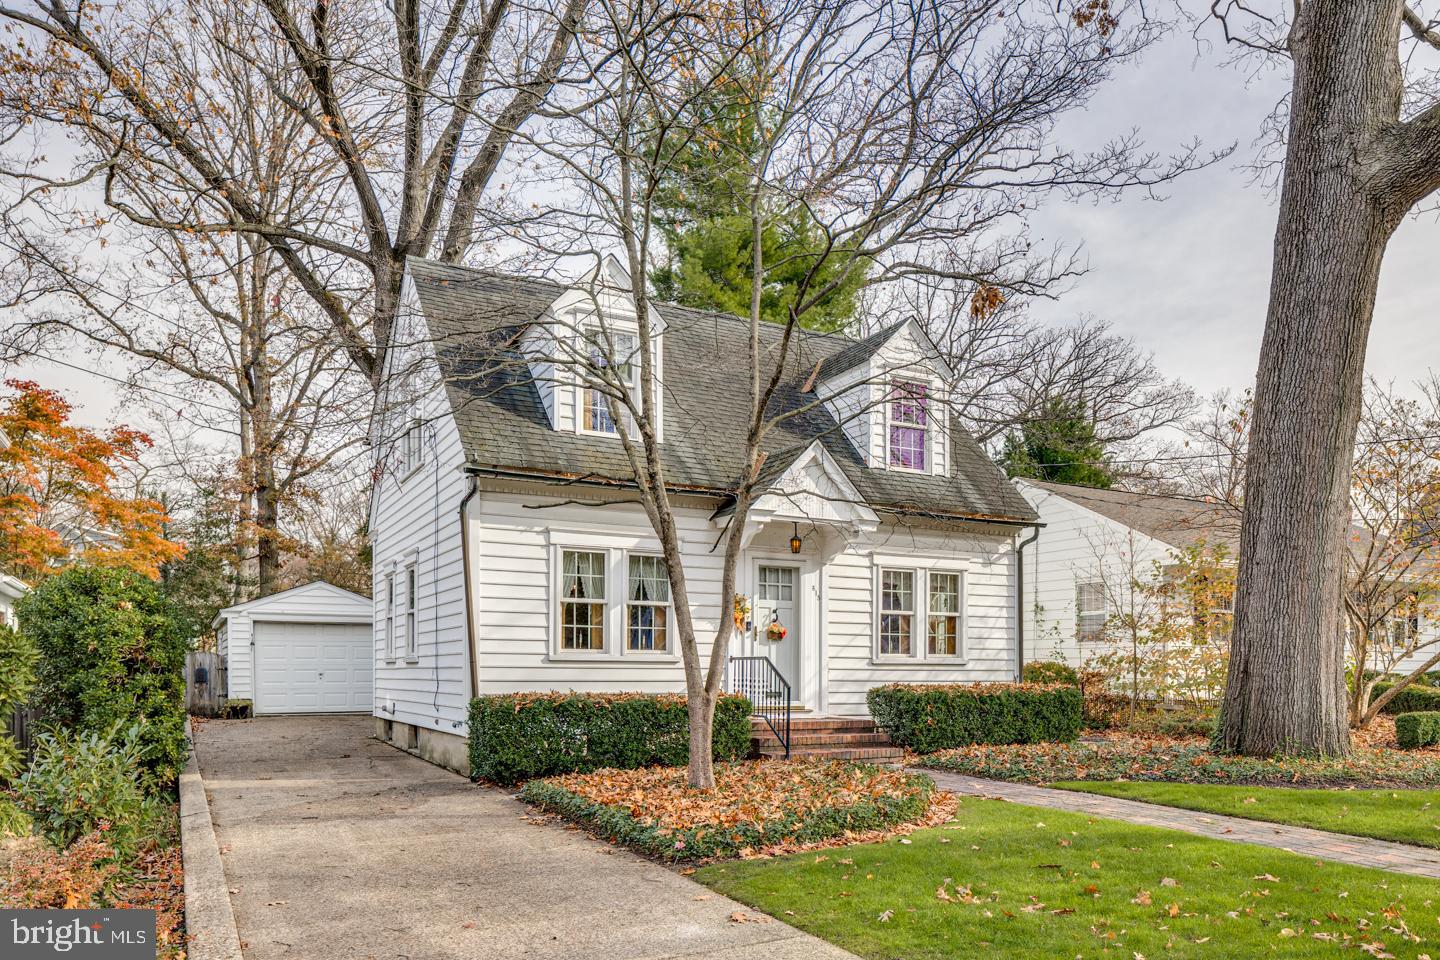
(21, 725)
(207, 683)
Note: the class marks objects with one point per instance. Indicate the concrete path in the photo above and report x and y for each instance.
(338, 846)
(1320, 844)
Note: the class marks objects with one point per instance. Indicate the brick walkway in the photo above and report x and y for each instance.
(1360, 851)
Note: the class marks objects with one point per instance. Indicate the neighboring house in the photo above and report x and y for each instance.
(11, 590)
(510, 554)
(1093, 539)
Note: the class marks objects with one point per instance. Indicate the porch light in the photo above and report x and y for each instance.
(795, 542)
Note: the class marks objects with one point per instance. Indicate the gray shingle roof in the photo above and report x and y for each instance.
(1179, 521)
(475, 316)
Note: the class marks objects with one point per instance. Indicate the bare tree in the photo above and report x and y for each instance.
(414, 107)
(912, 134)
(1362, 150)
(1394, 556)
(1008, 369)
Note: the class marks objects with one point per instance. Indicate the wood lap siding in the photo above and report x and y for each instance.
(987, 612)
(418, 515)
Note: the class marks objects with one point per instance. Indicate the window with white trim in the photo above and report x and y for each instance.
(1090, 611)
(411, 447)
(647, 604)
(942, 629)
(390, 615)
(583, 600)
(594, 404)
(412, 639)
(897, 613)
(907, 420)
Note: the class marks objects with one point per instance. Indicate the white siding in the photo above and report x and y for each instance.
(415, 519)
(516, 538)
(312, 603)
(1076, 545)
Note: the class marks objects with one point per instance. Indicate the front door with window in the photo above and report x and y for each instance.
(777, 600)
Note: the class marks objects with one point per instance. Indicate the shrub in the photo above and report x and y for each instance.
(754, 806)
(74, 878)
(1412, 699)
(515, 737)
(82, 781)
(1050, 671)
(237, 710)
(930, 717)
(111, 654)
(1415, 730)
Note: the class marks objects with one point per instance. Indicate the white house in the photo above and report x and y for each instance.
(510, 553)
(11, 590)
(1093, 538)
(303, 650)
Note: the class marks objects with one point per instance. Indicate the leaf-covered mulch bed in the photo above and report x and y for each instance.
(1187, 761)
(87, 875)
(759, 808)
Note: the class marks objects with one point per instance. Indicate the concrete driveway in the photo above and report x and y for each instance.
(338, 846)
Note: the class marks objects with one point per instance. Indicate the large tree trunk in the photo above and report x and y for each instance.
(700, 773)
(1286, 689)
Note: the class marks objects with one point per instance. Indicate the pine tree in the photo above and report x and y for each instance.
(1060, 446)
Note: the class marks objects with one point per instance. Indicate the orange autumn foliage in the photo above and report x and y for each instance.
(57, 475)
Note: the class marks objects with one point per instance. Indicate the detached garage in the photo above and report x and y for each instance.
(306, 650)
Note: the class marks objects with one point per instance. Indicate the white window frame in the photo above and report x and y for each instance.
(921, 569)
(411, 447)
(592, 337)
(1102, 611)
(606, 603)
(881, 612)
(617, 551)
(412, 611)
(961, 601)
(389, 619)
(626, 603)
(889, 421)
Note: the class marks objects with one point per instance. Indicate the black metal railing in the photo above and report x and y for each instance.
(760, 681)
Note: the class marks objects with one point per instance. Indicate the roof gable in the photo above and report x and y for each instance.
(1180, 522)
(277, 601)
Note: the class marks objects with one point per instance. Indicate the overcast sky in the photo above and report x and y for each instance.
(1187, 277)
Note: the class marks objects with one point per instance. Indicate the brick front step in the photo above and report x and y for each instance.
(828, 738)
(811, 739)
(872, 754)
(809, 724)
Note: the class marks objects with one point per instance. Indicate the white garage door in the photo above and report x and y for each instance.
(313, 667)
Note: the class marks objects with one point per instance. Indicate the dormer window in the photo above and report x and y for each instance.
(907, 420)
(595, 412)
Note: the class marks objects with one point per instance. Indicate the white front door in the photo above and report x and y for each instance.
(777, 601)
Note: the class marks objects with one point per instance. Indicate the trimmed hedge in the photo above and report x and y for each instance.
(1050, 671)
(930, 717)
(521, 736)
(707, 841)
(1413, 699)
(1415, 730)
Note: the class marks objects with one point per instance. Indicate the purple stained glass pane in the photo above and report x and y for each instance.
(907, 447)
(909, 403)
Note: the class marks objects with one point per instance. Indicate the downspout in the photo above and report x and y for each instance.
(468, 586)
(1020, 601)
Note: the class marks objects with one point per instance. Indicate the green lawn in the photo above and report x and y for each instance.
(1021, 882)
(1405, 816)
